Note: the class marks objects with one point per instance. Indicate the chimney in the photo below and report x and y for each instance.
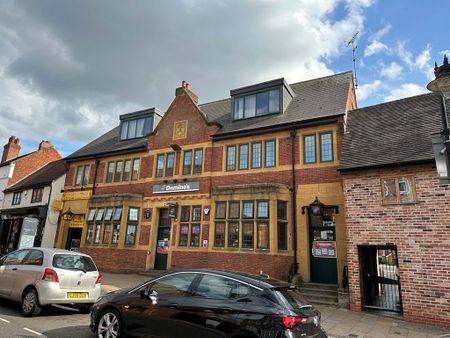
(11, 149)
(45, 145)
(185, 86)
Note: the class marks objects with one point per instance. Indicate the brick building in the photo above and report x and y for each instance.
(227, 184)
(397, 214)
(14, 168)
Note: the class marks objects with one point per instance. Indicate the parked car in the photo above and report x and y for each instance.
(206, 303)
(42, 276)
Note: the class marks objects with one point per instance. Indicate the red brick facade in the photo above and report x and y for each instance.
(419, 230)
(121, 261)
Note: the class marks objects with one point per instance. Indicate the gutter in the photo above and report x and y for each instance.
(106, 153)
(384, 166)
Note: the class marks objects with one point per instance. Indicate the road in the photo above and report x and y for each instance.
(52, 322)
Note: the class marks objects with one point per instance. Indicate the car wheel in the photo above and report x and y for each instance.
(85, 308)
(109, 324)
(30, 303)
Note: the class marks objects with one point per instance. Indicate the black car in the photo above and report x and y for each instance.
(206, 303)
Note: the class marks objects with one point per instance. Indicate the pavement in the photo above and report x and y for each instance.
(338, 323)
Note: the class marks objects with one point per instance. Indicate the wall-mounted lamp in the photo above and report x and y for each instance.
(175, 147)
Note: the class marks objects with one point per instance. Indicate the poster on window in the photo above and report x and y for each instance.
(28, 232)
(324, 249)
(163, 246)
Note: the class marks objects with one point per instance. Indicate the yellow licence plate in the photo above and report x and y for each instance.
(77, 295)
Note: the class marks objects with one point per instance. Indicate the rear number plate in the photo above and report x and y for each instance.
(77, 295)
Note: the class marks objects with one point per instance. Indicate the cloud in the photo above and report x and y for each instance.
(367, 90)
(405, 90)
(374, 48)
(392, 72)
(381, 33)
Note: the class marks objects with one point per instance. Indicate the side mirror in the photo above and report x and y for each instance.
(153, 297)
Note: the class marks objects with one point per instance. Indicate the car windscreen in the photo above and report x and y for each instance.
(293, 297)
(73, 262)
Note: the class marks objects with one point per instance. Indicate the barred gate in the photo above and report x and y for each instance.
(380, 284)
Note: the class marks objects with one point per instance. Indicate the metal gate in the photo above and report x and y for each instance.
(380, 282)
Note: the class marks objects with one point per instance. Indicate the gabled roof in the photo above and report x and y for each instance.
(42, 177)
(15, 159)
(391, 134)
(314, 99)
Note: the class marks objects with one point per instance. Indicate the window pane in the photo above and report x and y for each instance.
(262, 103)
(389, 191)
(326, 147)
(256, 155)
(91, 215)
(233, 234)
(282, 236)
(405, 189)
(215, 287)
(247, 209)
(270, 153)
(175, 285)
(86, 174)
(219, 236)
(118, 214)
(250, 105)
(124, 131)
(35, 257)
(263, 209)
(97, 233)
(187, 162)
(108, 214)
(185, 213)
(169, 164)
(221, 209)
(89, 233)
(118, 174)
(79, 175)
(126, 170)
(309, 149)
(106, 233)
(133, 214)
(274, 101)
(231, 158)
(148, 125)
(263, 235)
(160, 166)
(247, 235)
(243, 156)
(134, 175)
(140, 128)
(282, 210)
(184, 233)
(195, 235)
(100, 213)
(238, 108)
(132, 129)
(110, 172)
(198, 161)
(233, 210)
(196, 213)
(131, 234)
(115, 235)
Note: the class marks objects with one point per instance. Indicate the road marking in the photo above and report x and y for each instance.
(32, 331)
(4, 320)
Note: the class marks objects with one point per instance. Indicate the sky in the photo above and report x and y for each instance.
(68, 68)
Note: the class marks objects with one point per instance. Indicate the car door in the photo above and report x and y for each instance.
(156, 309)
(8, 271)
(28, 272)
(215, 304)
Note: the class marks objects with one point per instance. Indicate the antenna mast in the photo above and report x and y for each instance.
(353, 45)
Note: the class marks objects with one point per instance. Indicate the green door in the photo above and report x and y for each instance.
(322, 239)
(162, 240)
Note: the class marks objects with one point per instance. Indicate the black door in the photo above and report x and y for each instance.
(157, 310)
(380, 283)
(74, 239)
(215, 306)
(322, 239)
(163, 240)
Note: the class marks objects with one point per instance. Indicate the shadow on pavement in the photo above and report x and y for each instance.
(47, 311)
(81, 331)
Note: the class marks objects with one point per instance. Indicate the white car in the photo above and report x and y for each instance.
(42, 276)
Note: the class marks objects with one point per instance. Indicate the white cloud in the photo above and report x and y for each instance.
(392, 72)
(381, 33)
(366, 90)
(421, 62)
(374, 48)
(405, 90)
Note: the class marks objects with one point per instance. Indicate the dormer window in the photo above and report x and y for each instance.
(260, 99)
(138, 124)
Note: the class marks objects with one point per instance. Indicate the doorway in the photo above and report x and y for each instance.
(380, 282)
(74, 239)
(162, 240)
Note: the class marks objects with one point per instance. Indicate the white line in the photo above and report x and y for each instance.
(4, 320)
(32, 331)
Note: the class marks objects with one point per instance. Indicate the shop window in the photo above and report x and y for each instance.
(195, 235)
(82, 175)
(131, 231)
(263, 235)
(97, 233)
(269, 150)
(309, 149)
(231, 158)
(37, 195)
(126, 170)
(115, 233)
(109, 172)
(190, 231)
(198, 161)
(89, 233)
(187, 162)
(247, 234)
(221, 210)
(326, 147)
(256, 155)
(233, 234)
(243, 156)
(184, 234)
(160, 166)
(135, 172)
(282, 233)
(398, 190)
(118, 172)
(219, 234)
(17, 197)
(170, 162)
